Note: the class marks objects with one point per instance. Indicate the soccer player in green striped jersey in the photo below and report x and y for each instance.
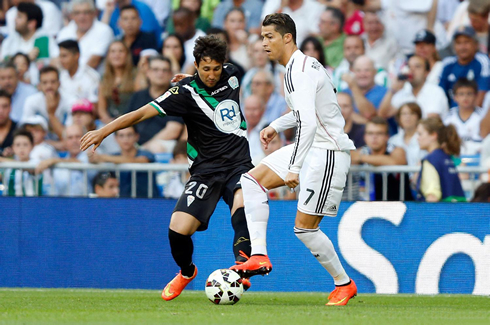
(217, 149)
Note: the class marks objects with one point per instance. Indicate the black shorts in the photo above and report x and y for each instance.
(203, 192)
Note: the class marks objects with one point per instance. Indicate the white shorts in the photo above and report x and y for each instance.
(321, 180)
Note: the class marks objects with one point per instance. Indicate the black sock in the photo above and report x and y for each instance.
(241, 241)
(182, 249)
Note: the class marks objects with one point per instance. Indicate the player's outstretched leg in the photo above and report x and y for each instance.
(182, 249)
(322, 248)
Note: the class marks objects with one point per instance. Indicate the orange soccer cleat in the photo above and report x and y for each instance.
(341, 295)
(246, 284)
(174, 288)
(256, 265)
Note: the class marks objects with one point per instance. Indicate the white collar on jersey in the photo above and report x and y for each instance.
(295, 55)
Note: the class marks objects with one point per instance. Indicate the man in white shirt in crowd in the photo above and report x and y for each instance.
(254, 108)
(9, 81)
(93, 36)
(263, 86)
(52, 18)
(28, 38)
(430, 97)
(52, 104)
(76, 80)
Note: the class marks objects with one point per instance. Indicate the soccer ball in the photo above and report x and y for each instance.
(224, 287)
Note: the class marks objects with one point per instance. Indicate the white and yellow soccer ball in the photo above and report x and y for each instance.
(224, 287)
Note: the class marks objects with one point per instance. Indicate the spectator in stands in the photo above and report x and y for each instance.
(378, 152)
(234, 25)
(133, 37)
(130, 153)
(112, 13)
(311, 46)
(466, 117)
(380, 46)
(478, 13)
(92, 35)
(38, 127)
(201, 23)
(363, 88)
(482, 193)
(223, 35)
(174, 187)
(305, 13)
(353, 16)
(117, 84)
(353, 130)
(28, 38)
(263, 86)
(431, 98)
(69, 182)
(251, 8)
(254, 108)
(52, 20)
(22, 64)
(22, 182)
(467, 63)
(173, 49)
(184, 22)
(51, 103)
(7, 125)
(354, 48)
(408, 117)
(83, 114)
(106, 185)
(9, 81)
(438, 178)
(76, 80)
(152, 131)
(425, 47)
(331, 35)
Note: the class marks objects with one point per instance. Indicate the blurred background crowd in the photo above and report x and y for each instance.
(412, 76)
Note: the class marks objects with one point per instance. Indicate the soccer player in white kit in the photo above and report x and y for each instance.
(319, 159)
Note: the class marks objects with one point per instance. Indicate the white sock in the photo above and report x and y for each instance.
(257, 213)
(322, 248)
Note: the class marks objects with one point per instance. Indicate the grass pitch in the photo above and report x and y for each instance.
(77, 306)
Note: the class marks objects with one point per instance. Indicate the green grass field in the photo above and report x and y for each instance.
(77, 306)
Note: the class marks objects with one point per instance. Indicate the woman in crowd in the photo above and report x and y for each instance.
(438, 180)
(173, 48)
(427, 50)
(22, 64)
(311, 46)
(235, 25)
(117, 83)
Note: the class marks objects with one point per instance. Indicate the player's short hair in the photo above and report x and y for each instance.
(32, 11)
(5, 94)
(70, 45)
(337, 15)
(48, 69)
(466, 83)
(378, 120)
(129, 7)
(283, 24)
(219, 31)
(211, 47)
(22, 132)
(102, 177)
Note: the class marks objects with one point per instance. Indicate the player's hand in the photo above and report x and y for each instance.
(91, 138)
(266, 136)
(292, 180)
(179, 76)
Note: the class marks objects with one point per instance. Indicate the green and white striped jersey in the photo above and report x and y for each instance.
(217, 136)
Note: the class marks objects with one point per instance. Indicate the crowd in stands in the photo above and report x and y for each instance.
(412, 81)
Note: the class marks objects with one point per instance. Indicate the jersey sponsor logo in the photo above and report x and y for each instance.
(233, 82)
(218, 90)
(470, 75)
(174, 90)
(227, 116)
(190, 199)
(451, 77)
(163, 97)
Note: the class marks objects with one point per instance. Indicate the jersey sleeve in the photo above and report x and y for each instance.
(302, 98)
(172, 102)
(284, 122)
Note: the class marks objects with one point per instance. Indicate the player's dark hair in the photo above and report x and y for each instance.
(378, 120)
(22, 132)
(337, 15)
(318, 47)
(447, 136)
(5, 94)
(32, 11)
(48, 69)
(12, 59)
(102, 177)
(70, 45)
(464, 82)
(211, 47)
(283, 24)
(128, 7)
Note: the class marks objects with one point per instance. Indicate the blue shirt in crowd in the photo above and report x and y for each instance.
(19, 96)
(141, 179)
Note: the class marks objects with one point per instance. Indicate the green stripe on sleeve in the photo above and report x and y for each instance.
(159, 109)
(210, 99)
(243, 125)
(191, 151)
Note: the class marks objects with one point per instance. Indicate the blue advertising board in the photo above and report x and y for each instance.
(386, 247)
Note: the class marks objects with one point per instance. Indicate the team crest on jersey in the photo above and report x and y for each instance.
(163, 97)
(227, 116)
(233, 82)
(174, 90)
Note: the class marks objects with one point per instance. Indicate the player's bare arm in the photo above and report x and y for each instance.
(95, 137)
